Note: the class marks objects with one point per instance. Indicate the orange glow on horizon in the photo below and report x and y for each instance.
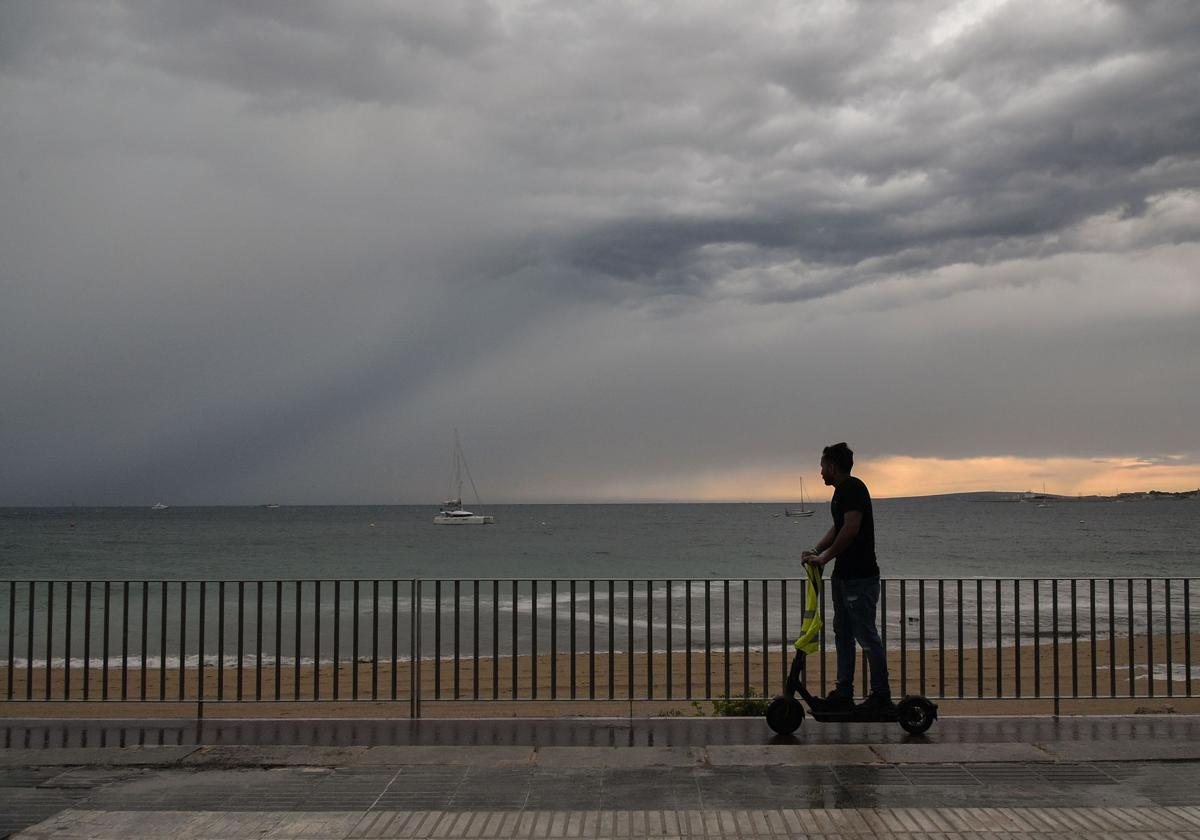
(900, 475)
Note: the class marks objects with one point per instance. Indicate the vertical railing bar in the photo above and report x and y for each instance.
(296, 665)
(591, 639)
(67, 648)
(979, 636)
(200, 692)
(183, 586)
(241, 641)
(921, 630)
(1092, 625)
(162, 642)
(903, 637)
(824, 625)
(650, 639)
(474, 647)
(220, 640)
(961, 644)
(670, 682)
(554, 639)
(396, 641)
(437, 640)
(337, 639)
(495, 638)
(278, 640)
(999, 644)
(783, 629)
(725, 618)
(766, 647)
(354, 633)
(573, 619)
(457, 635)
(104, 645)
(534, 638)
(145, 632)
(374, 639)
(1187, 633)
(1017, 634)
(12, 636)
(515, 689)
(258, 641)
(1129, 611)
(1054, 621)
(612, 636)
(50, 635)
(1170, 641)
(1037, 642)
(707, 640)
(745, 638)
(687, 638)
(29, 644)
(1074, 640)
(941, 637)
(87, 639)
(475, 640)
(416, 670)
(883, 613)
(1112, 638)
(316, 640)
(629, 652)
(1149, 638)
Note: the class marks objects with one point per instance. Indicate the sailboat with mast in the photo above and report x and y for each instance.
(452, 511)
(802, 510)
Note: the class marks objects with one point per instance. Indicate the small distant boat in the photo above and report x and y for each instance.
(452, 511)
(802, 510)
(158, 506)
(271, 506)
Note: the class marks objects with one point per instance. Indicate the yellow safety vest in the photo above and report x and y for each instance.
(810, 627)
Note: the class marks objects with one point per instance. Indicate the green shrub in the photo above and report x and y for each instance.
(752, 705)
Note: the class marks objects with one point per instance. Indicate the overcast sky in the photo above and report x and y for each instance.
(277, 251)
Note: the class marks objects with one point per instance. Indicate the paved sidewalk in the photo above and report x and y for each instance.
(972, 778)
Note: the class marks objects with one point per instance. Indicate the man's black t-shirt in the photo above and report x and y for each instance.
(858, 560)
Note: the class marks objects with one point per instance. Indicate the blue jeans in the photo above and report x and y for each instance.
(854, 601)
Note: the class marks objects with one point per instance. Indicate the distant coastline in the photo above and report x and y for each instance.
(991, 496)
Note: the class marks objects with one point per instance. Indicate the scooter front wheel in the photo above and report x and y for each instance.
(916, 714)
(784, 715)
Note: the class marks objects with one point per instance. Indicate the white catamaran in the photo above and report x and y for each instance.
(452, 512)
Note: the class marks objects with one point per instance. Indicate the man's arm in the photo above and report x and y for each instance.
(822, 544)
(840, 542)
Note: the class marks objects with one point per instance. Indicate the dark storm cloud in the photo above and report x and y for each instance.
(288, 244)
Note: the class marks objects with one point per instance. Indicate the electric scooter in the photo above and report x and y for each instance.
(914, 713)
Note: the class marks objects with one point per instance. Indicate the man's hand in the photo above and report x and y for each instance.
(813, 558)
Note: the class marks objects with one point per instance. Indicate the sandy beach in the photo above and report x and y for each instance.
(1007, 681)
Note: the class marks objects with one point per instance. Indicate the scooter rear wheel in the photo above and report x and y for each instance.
(784, 715)
(916, 714)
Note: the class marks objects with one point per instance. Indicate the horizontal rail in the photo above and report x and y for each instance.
(535, 639)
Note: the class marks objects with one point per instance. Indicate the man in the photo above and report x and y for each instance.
(851, 543)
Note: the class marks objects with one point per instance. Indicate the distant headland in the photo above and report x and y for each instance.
(1000, 496)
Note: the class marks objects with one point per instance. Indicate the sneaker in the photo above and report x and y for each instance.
(836, 701)
(876, 703)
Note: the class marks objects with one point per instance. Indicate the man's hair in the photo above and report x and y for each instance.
(840, 456)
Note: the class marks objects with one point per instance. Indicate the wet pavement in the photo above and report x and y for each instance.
(999, 777)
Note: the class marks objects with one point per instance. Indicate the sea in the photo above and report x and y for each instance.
(985, 552)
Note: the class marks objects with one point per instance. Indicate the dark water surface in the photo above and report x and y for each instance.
(937, 537)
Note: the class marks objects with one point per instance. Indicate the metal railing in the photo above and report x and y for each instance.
(520, 640)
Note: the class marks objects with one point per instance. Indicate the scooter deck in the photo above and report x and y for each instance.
(852, 716)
